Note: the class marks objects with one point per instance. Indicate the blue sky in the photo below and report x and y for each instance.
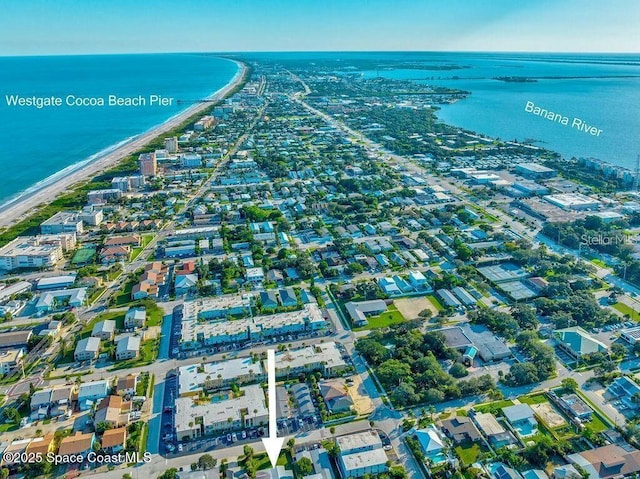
(37, 27)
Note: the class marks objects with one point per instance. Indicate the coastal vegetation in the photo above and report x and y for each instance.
(407, 363)
(75, 198)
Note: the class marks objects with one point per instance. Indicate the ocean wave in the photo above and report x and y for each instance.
(66, 171)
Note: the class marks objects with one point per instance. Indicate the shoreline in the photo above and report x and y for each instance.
(25, 203)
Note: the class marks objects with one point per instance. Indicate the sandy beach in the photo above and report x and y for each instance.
(24, 206)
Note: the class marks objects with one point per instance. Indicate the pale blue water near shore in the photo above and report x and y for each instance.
(602, 90)
(39, 143)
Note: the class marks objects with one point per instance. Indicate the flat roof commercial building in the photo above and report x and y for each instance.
(194, 378)
(577, 342)
(630, 335)
(325, 357)
(196, 334)
(14, 339)
(6, 292)
(229, 412)
(489, 347)
(501, 273)
(455, 338)
(62, 222)
(30, 252)
(535, 170)
(361, 454)
(358, 442)
(573, 201)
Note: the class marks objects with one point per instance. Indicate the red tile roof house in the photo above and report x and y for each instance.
(114, 440)
(79, 443)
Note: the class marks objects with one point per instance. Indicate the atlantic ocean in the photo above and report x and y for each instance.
(38, 144)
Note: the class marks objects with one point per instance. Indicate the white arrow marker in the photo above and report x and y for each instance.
(272, 444)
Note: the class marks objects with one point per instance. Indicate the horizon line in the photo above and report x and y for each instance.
(245, 52)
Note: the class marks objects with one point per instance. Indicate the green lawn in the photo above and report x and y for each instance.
(383, 320)
(97, 292)
(596, 424)
(539, 398)
(625, 309)
(154, 312)
(435, 302)
(599, 419)
(8, 427)
(468, 452)
(113, 274)
(263, 462)
(148, 354)
(117, 316)
(124, 295)
(493, 406)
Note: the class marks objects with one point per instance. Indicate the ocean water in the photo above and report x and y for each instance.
(38, 143)
(601, 90)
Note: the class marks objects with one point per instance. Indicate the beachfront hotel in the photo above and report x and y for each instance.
(147, 164)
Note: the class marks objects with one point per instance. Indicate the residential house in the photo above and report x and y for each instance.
(418, 280)
(42, 445)
(114, 440)
(10, 359)
(61, 400)
(154, 275)
(40, 399)
(185, 284)
(499, 470)
(114, 254)
(78, 444)
(432, 444)
(288, 297)
(335, 395)
(495, 432)
(522, 419)
(269, 299)
(566, 471)
(135, 318)
(113, 411)
(358, 311)
(131, 241)
(127, 347)
(460, 429)
(607, 462)
(104, 330)
(389, 286)
(255, 275)
(92, 392)
(126, 386)
(626, 390)
(575, 407)
(144, 290)
(275, 275)
(87, 349)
